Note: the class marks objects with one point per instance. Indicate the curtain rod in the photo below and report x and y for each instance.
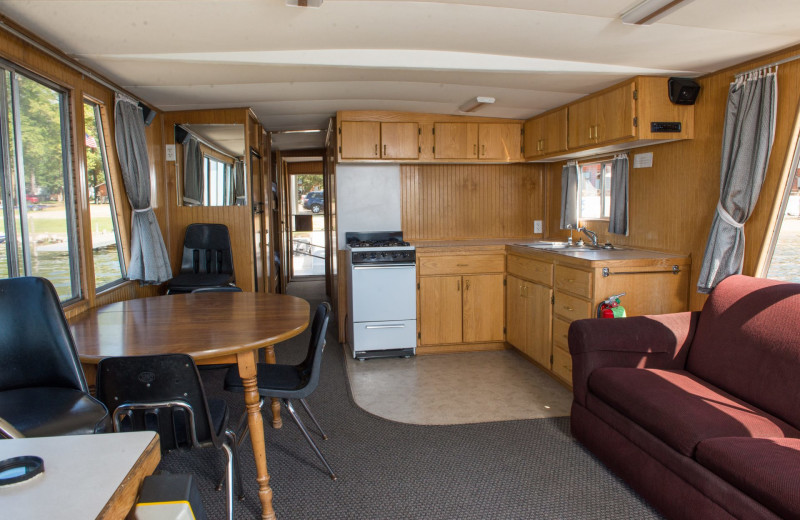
(768, 65)
(68, 62)
(203, 141)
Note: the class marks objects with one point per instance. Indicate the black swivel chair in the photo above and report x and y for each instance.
(207, 260)
(164, 393)
(288, 382)
(43, 391)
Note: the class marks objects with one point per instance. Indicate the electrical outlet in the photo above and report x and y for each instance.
(537, 226)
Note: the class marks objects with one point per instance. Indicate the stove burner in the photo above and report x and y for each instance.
(392, 242)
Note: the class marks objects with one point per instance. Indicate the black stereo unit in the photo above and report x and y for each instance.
(665, 126)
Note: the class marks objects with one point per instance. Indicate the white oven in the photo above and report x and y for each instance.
(382, 309)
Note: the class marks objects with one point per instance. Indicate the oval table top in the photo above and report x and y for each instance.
(207, 326)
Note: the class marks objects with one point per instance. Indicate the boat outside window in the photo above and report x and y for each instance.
(594, 190)
(36, 193)
(109, 267)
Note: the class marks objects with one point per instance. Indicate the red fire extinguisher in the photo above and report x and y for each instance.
(611, 307)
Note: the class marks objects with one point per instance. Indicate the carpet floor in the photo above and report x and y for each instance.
(522, 469)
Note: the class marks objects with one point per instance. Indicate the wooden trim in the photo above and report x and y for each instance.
(415, 117)
(124, 498)
(423, 350)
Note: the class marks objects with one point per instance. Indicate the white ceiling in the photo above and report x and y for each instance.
(297, 66)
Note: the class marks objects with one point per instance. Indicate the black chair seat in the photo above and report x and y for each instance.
(47, 412)
(282, 381)
(206, 261)
(189, 281)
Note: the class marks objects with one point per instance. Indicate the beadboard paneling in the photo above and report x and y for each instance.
(458, 201)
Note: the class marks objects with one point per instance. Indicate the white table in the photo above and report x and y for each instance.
(85, 476)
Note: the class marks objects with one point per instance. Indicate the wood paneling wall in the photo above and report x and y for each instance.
(672, 204)
(457, 201)
(304, 168)
(79, 86)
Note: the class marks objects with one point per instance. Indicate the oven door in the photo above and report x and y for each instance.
(384, 293)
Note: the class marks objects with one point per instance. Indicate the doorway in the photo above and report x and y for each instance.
(307, 219)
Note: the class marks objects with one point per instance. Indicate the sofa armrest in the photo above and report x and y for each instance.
(658, 341)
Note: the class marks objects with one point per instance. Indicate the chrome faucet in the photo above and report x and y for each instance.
(589, 233)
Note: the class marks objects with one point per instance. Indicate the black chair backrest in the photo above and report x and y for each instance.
(224, 288)
(310, 366)
(207, 250)
(36, 345)
(154, 381)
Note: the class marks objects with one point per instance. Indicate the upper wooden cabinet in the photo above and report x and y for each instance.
(485, 141)
(376, 140)
(604, 118)
(546, 134)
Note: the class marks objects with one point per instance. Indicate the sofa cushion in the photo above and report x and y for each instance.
(766, 469)
(747, 344)
(681, 409)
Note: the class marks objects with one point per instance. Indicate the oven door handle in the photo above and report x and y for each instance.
(401, 326)
(392, 266)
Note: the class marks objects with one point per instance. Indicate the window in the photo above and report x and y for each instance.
(38, 224)
(784, 251)
(219, 179)
(594, 190)
(109, 267)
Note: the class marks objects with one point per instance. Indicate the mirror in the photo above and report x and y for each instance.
(211, 167)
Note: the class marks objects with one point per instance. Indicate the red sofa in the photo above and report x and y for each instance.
(699, 412)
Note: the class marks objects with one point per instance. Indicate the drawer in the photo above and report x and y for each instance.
(377, 335)
(560, 330)
(458, 264)
(571, 307)
(574, 281)
(529, 269)
(562, 364)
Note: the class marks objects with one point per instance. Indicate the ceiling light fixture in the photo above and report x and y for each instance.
(304, 3)
(649, 11)
(475, 103)
(315, 131)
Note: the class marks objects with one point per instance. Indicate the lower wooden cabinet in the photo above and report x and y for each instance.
(461, 309)
(528, 318)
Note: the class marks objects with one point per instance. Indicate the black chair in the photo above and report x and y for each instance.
(164, 393)
(207, 260)
(43, 391)
(288, 382)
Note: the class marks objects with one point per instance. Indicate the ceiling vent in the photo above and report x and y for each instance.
(304, 3)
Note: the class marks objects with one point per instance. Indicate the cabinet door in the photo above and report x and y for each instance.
(516, 334)
(400, 140)
(483, 307)
(534, 137)
(582, 122)
(455, 140)
(440, 309)
(554, 137)
(499, 141)
(360, 140)
(539, 318)
(615, 114)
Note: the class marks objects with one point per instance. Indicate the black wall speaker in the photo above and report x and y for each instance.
(147, 114)
(683, 91)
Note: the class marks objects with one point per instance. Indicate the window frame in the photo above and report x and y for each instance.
(603, 209)
(100, 112)
(71, 217)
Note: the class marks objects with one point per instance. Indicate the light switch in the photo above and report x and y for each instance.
(537, 226)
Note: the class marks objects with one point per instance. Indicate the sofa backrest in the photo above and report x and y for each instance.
(748, 343)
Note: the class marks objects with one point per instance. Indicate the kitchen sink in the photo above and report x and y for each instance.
(565, 246)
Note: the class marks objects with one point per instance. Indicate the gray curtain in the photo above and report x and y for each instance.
(569, 196)
(149, 258)
(240, 199)
(746, 144)
(618, 212)
(193, 184)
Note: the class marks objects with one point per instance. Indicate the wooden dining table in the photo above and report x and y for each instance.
(213, 328)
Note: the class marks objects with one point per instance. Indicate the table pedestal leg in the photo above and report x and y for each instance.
(276, 403)
(247, 371)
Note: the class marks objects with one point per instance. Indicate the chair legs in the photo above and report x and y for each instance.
(311, 443)
(233, 469)
(308, 411)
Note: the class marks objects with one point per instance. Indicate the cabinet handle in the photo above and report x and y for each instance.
(462, 265)
(458, 285)
(483, 150)
(474, 149)
(568, 308)
(466, 285)
(376, 150)
(384, 150)
(590, 132)
(570, 280)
